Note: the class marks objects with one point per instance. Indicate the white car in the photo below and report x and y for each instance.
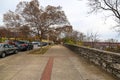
(38, 44)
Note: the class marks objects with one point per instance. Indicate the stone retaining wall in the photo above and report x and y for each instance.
(109, 61)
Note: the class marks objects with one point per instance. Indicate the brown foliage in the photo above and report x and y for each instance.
(37, 19)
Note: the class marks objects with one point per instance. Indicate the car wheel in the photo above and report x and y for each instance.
(3, 55)
(27, 49)
(32, 48)
(16, 51)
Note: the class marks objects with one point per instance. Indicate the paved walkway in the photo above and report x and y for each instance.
(58, 63)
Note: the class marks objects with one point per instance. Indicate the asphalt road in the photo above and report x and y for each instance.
(58, 63)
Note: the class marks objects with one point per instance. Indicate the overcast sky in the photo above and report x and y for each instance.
(77, 13)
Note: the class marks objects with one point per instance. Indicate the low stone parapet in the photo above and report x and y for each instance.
(109, 61)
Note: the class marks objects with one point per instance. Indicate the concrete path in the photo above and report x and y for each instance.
(58, 63)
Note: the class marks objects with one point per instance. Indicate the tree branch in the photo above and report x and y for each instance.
(115, 11)
(116, 4)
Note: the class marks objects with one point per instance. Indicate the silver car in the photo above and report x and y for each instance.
(38, 44)
(6, 49)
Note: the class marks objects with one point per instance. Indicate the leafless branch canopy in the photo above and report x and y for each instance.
(110, 5)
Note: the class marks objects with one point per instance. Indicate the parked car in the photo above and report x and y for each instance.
(36, 43)
(40, 44)
(6, 49)
(23, 45)
(44, 43)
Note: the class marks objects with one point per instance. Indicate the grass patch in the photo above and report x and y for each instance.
(41, 50)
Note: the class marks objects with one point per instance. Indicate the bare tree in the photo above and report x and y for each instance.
(111, 40)
(81, 37)
(37, 19)
(106, 5)
(74, 37)
(92, 38)
(24, 32)
(3, 31)
(31, 14)
(52, 16)
(41, 18)
(57, 33)
(112, 44)
(11, 20)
